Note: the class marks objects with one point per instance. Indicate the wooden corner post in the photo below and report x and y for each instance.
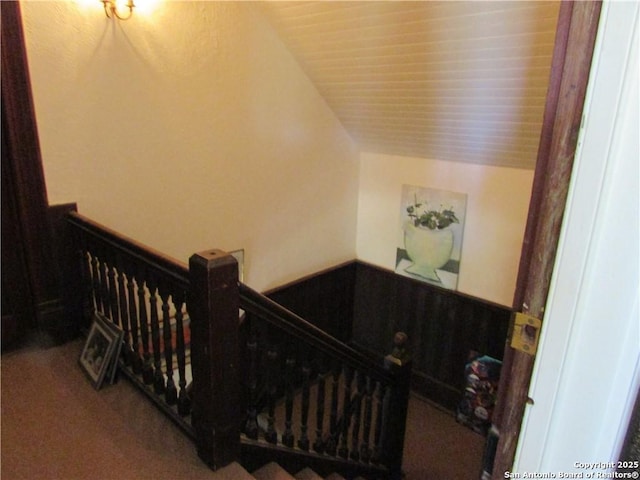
(400, 364)
(213, 307)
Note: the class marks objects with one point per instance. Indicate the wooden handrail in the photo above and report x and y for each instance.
(274, 313)
(169, 266)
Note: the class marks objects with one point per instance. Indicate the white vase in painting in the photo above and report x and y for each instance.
(427, 249)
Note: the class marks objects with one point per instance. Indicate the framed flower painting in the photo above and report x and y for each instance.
(430, 236)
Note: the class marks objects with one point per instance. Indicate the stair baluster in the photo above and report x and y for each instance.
(158, 378)
(124, 315)
(184, 402)
(136, 362)
(251, 424)
(114, 311)
(287, 436)
(147, 367)
(343, 451)
(318, 445)
(104, 285)
(170, 391)
(365, 451)
(303, 442)
(377, 436)
(271, 435)
(356, 408)
(332, 442)
(97, 286)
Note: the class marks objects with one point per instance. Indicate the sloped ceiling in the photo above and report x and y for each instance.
(451, 80)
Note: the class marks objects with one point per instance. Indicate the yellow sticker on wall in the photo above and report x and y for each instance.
(526, 331)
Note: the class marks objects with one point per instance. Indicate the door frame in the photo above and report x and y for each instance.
(571, 65)
(573, 50)
(21, 157)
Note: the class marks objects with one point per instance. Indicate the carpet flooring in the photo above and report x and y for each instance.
(54, 425)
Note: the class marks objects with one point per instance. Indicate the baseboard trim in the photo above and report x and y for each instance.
(54, 321)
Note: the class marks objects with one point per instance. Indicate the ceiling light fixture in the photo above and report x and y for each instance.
(113, 9)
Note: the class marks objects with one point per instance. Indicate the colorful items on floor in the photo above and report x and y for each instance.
(482, 375)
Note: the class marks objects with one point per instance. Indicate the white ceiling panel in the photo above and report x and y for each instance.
(449, 80)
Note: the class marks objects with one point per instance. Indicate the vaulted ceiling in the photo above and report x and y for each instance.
(450, 80)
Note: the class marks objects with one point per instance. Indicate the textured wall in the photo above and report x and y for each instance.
(190, 127)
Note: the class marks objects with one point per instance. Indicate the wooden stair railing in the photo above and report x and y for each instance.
(325, 405)
(144, 293)
(357, 420)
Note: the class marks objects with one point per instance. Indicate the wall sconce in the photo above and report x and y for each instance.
(113, 9)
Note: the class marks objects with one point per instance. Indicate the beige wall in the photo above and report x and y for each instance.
(496, 214)
(190, 128)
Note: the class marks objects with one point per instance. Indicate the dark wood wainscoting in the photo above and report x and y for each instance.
(62, 323)
(365, 305)
(443, 328)
(325, 299)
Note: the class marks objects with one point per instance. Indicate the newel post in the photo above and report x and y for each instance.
(213, 308)
(399, 363)
(76, 288)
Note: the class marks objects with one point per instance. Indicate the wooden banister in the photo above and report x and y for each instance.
(357, 386)
(277, 315)
(143, 293)
(172, 314)
(171, 267)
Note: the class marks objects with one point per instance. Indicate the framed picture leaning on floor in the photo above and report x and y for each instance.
(99, 357)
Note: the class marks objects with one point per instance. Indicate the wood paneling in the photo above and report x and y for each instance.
(367, 305)
(443, 328)
(324, 299)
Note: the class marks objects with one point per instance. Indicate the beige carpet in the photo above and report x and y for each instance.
(54, 425)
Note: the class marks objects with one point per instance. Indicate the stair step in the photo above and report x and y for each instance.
(236, 471)
(272, 471)
(307, 474)
(335, 476)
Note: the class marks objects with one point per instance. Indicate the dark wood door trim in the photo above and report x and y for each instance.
(575, 41)
(22, 142)
(544, 149)
(23, 163)
(18, 314)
